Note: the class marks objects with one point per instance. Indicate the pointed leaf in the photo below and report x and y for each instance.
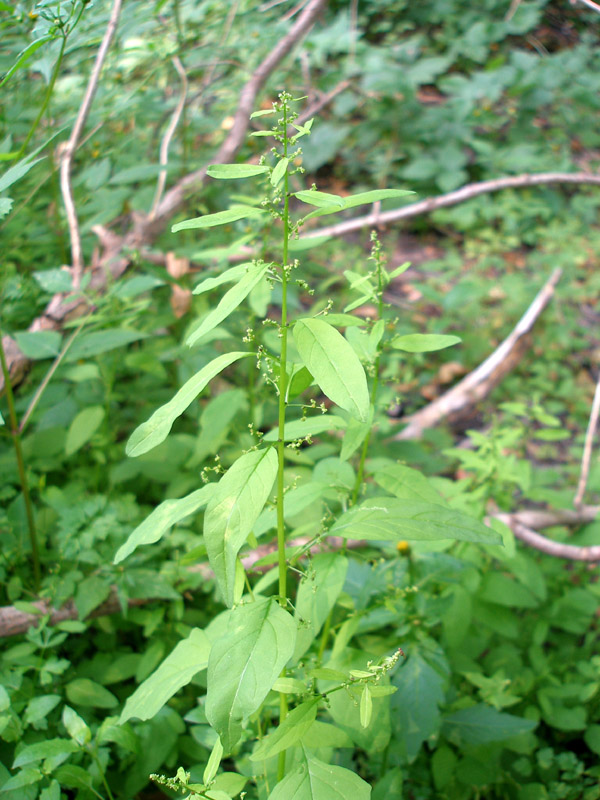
(213, 763)
(164, 516)
(405, 482)
(293, 728)
(232, 171)
(311, 426)
(315, 780)
(424, 342)
(393, 520)
(334, 365)
(220, 218)
(229, 276)
(361, 199)
(177, 670)
(229, 302)
(415, 706)
(366, 707)
(481, 724)
(320, 199)
(156, 429)
(83, 427)
(238, 499)
(245, 663)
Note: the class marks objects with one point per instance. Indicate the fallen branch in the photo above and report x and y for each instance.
(536, 540)
(479, 383)
(69, 147)
(452, 199)
(13, 621)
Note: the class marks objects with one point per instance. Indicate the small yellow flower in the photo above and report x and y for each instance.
(403, 548)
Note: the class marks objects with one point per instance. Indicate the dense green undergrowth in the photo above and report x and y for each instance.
(424, 669)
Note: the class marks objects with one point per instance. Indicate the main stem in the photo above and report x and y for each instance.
(283, 706)
(16, 437)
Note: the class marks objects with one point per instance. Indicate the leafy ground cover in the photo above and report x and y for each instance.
(416, 665)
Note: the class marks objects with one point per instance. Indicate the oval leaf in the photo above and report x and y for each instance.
(245, 663)
(226, 172)
(424, 342)
(156, 429)
(238, 499)
(229, 302)
(83, 427)
(220, 218)
(279, 171)
(334, 365)
(320, 199)
(316, 780)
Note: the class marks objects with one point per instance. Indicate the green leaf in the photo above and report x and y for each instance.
(238, 499)
(262, 112)
(94, 344)
(83, 427)
(90, 593)
(213, 763)
(226, 172)
(1, 419)
(334, 365)
(356, 433)
(229, 302)
(393, 520)
(408, 483)
(4, 699)
(41, 750)
(482, 724)
(156, 429)
(289, 686)
(25, 55)
(164, 516)
(245, 663)
(23, 778)
(73, 777)
(316, 597)
(37, 345)
(296, 500)
(360, 199)
(424, 342)
(320, 199)
(76, 727)
(229, 276)
(415, 706)
(293, 728)
(311, 426)
(366, 707)
(39, 707)
(85, 692)
(279, 171)
(322, 734)
(177, 670)
(220, 218)
(315, 780)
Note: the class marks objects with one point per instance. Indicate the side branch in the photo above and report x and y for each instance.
(454, 198)
(67, 150)
(479, 383)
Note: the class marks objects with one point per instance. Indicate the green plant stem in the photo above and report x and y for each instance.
(324, 637)
(49, 92)
(102, 775)
(282, 386)
(16, 437)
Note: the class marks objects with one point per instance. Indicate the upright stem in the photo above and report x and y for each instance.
(16, 437)
(282, 386)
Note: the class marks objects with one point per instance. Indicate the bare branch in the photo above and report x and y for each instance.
(166, 141)
(478, 384)
(68, 148)
(454, 198)
(587, 448)
(536, 540)
(588, 3)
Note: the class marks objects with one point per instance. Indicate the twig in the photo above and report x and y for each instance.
(587, 448)
(588, 3)
(68, 148)
(536, 540)
(454, 198)
(512, 10)
(323, 101)
(166, 141)
(477, 384)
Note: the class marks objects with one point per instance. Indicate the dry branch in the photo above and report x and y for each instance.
(454, 198)
(67, 149)
(536, 540)
(479, 383)
(587, 448)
